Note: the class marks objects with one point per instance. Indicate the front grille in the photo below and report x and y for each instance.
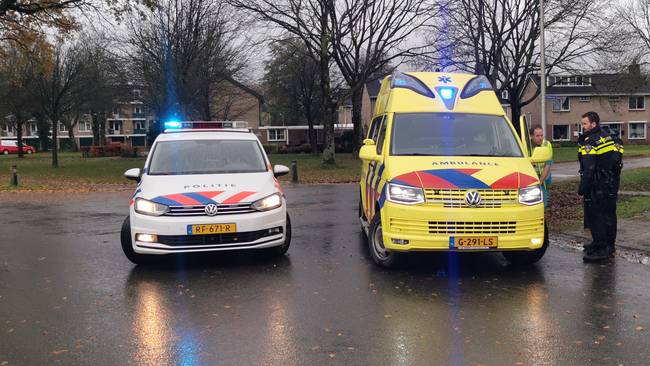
(424, 227)
(455, 198)
(216, 239)
(199, 210)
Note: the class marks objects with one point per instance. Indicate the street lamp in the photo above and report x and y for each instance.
(542, 65)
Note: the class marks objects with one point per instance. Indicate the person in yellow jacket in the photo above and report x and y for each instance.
(543, 169)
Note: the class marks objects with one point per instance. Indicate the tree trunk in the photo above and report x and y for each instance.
(329, 155)
(75, 146)
(19, 137)
(313, 138)
(95, 127)
(516, 113)
(43, 133)
(55, 143)
(102, 128)
(357, 105)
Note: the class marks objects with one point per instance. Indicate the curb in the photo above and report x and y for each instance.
(574, 242)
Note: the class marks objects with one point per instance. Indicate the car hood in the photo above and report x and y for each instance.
(462, 172)
(186, 190)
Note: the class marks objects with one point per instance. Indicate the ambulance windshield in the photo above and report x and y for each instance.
(206, 157)
(452, 134)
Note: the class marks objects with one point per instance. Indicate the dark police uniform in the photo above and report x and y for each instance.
(601, 160)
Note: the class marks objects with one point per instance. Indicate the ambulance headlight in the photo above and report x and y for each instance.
(146, 207)
(404, 194)
(531, 195)
(268, 202)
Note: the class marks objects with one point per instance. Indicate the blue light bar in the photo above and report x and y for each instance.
(173, 124)
(446, 93)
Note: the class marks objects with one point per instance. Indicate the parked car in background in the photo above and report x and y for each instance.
(11, 147)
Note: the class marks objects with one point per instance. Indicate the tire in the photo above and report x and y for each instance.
(524, 258)
(281, 250)
(379, 254)
(127, 245)
(5, 152)
(29, 152)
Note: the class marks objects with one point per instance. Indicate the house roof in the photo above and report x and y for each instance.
(603, 84)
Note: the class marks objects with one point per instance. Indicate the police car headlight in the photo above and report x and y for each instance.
(531, 195)
(404, 194)
(146, 207)
(268, 202)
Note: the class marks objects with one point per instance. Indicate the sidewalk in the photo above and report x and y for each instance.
(568, 170)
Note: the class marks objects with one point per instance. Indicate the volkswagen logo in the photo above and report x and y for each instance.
(211, 209)
(473, 198)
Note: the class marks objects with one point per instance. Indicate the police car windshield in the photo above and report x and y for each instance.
(452, 134)
(206, 157)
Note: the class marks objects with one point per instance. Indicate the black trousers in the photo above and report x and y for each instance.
(600, 217)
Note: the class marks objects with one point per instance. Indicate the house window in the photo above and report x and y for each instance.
(139, 125)
(138, 109)
(613, 98)
(33, 129)
(136, 94)
(63, 128)
(637, 102)
(116, 126)
(560, 132)
(614, 128)
(85, 127)
(116, 110)
(561, 104)
(585, 98)
(636, 130)
(9, 130)
(276, 134)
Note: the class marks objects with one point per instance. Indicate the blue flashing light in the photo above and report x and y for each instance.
(446, 93)
(173, 124)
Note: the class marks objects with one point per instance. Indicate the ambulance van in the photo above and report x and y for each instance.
(444, 170)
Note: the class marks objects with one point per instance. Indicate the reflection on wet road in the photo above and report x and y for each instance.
(68, 295)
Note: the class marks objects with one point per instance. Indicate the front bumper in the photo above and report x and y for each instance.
(252, 232)
(429, 228)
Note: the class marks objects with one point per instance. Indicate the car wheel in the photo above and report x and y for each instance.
(281, 250)
(29, 152)
(378, 252)
(523, 258)
(5, 152)
(127, 245)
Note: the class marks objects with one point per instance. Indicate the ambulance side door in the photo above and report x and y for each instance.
(369, 170)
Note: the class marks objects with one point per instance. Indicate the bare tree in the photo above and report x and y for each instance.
(18, 84)
(56, 87)
(309, 21)
(293, 87)
(181, 52)
(369, 36)
(500, 39)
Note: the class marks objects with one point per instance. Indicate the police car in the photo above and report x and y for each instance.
(205, 186)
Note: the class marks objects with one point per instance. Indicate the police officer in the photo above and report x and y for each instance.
(601, 158)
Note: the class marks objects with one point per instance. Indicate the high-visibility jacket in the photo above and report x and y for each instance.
(539, 167)
(601, 160)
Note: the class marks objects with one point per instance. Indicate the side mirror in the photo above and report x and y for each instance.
(133, 174)
(280, 170)
(541, 155)
(369, 152)
(368, 142)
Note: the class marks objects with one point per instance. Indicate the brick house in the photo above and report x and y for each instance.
(619, 99)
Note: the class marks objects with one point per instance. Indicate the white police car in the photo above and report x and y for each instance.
(205, 188)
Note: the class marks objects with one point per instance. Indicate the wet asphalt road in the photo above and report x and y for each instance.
(69, 296)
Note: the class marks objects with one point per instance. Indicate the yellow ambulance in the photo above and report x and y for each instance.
(444, 170)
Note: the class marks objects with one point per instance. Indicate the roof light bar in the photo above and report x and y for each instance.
(402, 80)
(171, 126)
(475, 86)
(448, 95)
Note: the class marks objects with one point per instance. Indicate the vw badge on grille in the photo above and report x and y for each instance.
(211, 209)
(473, 198)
